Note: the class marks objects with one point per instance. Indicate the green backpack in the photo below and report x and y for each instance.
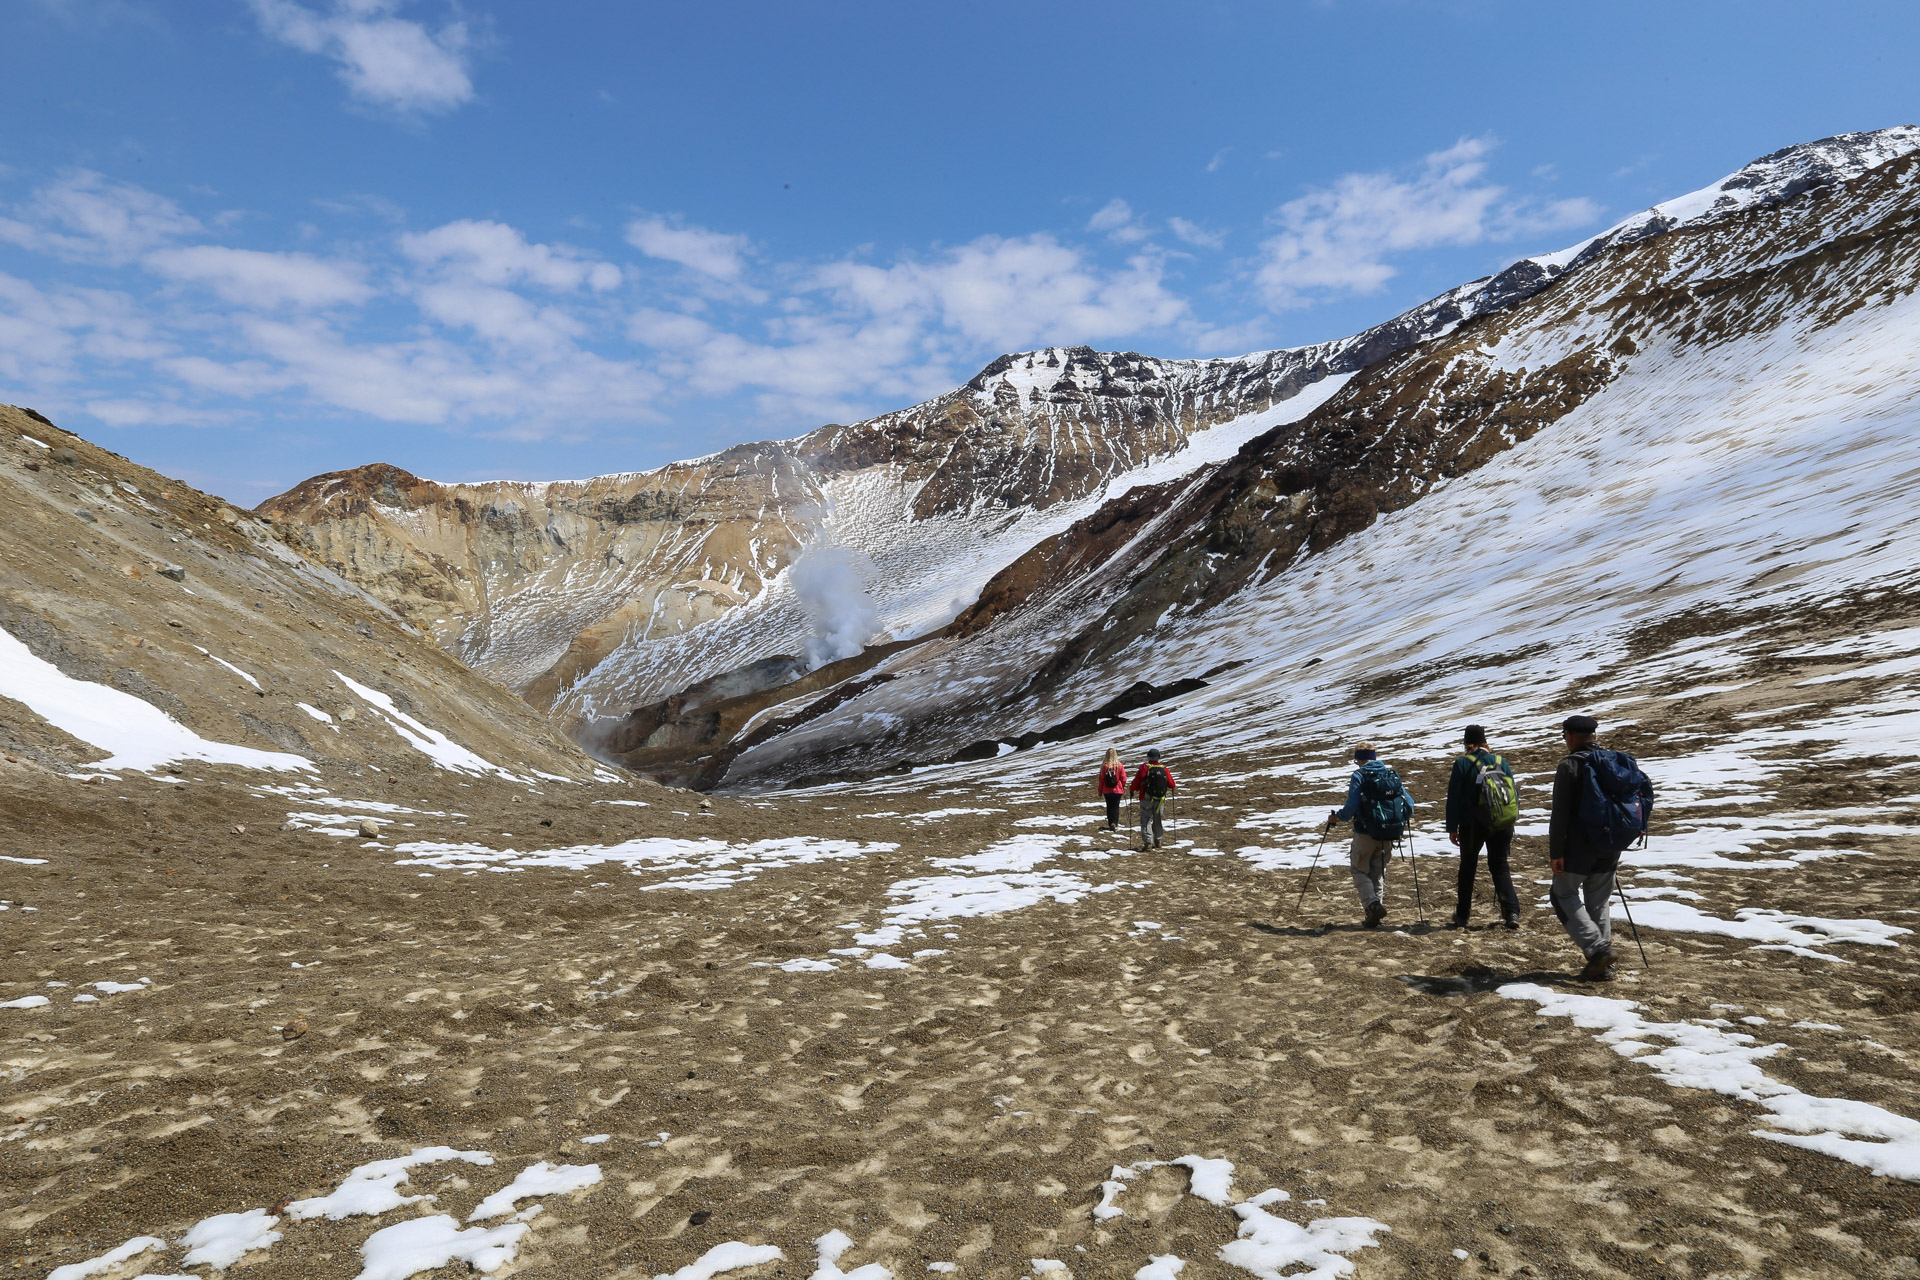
(1498, 801)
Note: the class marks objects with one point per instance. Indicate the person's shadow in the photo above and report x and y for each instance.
(1416, 929)
(1478, 978)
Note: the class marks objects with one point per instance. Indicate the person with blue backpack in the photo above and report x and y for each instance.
(1483, 807)
(1601, 803)
(1379, 808)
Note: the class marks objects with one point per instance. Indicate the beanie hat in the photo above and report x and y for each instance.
(1153, 755)
(1474, 736)
(1582, 725)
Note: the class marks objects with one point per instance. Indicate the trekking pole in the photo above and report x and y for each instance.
(1315, 864)
(1418, 901)
(1622, 891)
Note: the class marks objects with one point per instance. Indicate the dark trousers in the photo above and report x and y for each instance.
(1113, 811)
(1499, 846)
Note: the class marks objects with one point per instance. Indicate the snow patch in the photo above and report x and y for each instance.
(136, 734)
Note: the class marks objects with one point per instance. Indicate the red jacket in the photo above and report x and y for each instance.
(1139, 787)
(1119, 787)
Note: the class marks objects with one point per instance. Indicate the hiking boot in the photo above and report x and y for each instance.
(1376, 912)
(1459, 922)
(1599, 967)
(1512, 922)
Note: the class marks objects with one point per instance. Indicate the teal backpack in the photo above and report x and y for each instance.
(1384, 805)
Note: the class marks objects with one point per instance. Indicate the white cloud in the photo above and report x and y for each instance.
(1115, 218)
(853, 332)
(1219, 158)
(496, 254)
(85, 217)
(1195, 234)
(501, 316)
(711, 253)
(49, 337)
(475, 326)
(1338, 240)
(251, 278)
(1010, 292)
(384, 60)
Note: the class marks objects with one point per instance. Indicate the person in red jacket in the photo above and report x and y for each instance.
(1112, 784)
(1153, 784)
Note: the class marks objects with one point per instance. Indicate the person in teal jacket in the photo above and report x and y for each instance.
(1368, 854)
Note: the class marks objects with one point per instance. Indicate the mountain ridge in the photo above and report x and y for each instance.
(592, 597)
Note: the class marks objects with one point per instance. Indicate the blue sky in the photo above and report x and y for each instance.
(245, 241)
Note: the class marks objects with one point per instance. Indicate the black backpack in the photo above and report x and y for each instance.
(1156, 785)
(1616, 799)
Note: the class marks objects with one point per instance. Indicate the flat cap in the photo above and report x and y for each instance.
(1580, 724)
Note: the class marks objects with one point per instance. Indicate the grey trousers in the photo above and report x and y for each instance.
(1153, 827)
(1581, 902)
(1368, 859)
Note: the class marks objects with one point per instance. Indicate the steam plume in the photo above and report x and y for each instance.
(843, 617)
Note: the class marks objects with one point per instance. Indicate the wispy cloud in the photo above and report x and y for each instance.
(476, 325)
(386, 61)
(1195, 234)
(847, 332)
(252, 278)
(84, 217)
(1115, 220)
(493, 253)
(720, 255)
(1341, 240)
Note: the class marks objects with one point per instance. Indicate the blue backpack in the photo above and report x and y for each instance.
(1616, 799)
(1384, 804)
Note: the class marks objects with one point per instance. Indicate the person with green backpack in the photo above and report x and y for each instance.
(1483, 806)
(1379, 807)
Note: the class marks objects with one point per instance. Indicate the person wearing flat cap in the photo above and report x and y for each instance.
(1584, 857)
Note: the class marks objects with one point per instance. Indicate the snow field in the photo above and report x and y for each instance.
(1702, 1056)
(435, 745)
(1004, 877)
(390, 1253)
(136, 734)
(706, 864)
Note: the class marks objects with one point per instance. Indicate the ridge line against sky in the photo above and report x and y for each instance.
(375, 231)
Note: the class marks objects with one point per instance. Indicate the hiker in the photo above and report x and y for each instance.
(1379, 808)
(1112, 784)
(1601, 802)
(1153, 784)
(1483, 805)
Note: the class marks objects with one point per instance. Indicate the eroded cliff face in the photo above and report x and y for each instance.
(532, 583)
(583, 596)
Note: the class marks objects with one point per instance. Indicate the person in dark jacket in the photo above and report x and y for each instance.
(1582, 873)
(1152, 807)
(1467, 828)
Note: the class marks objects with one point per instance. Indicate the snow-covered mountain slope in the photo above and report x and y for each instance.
(591, 596)
(1060, 504)
(146, 626)
(1701, 423)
